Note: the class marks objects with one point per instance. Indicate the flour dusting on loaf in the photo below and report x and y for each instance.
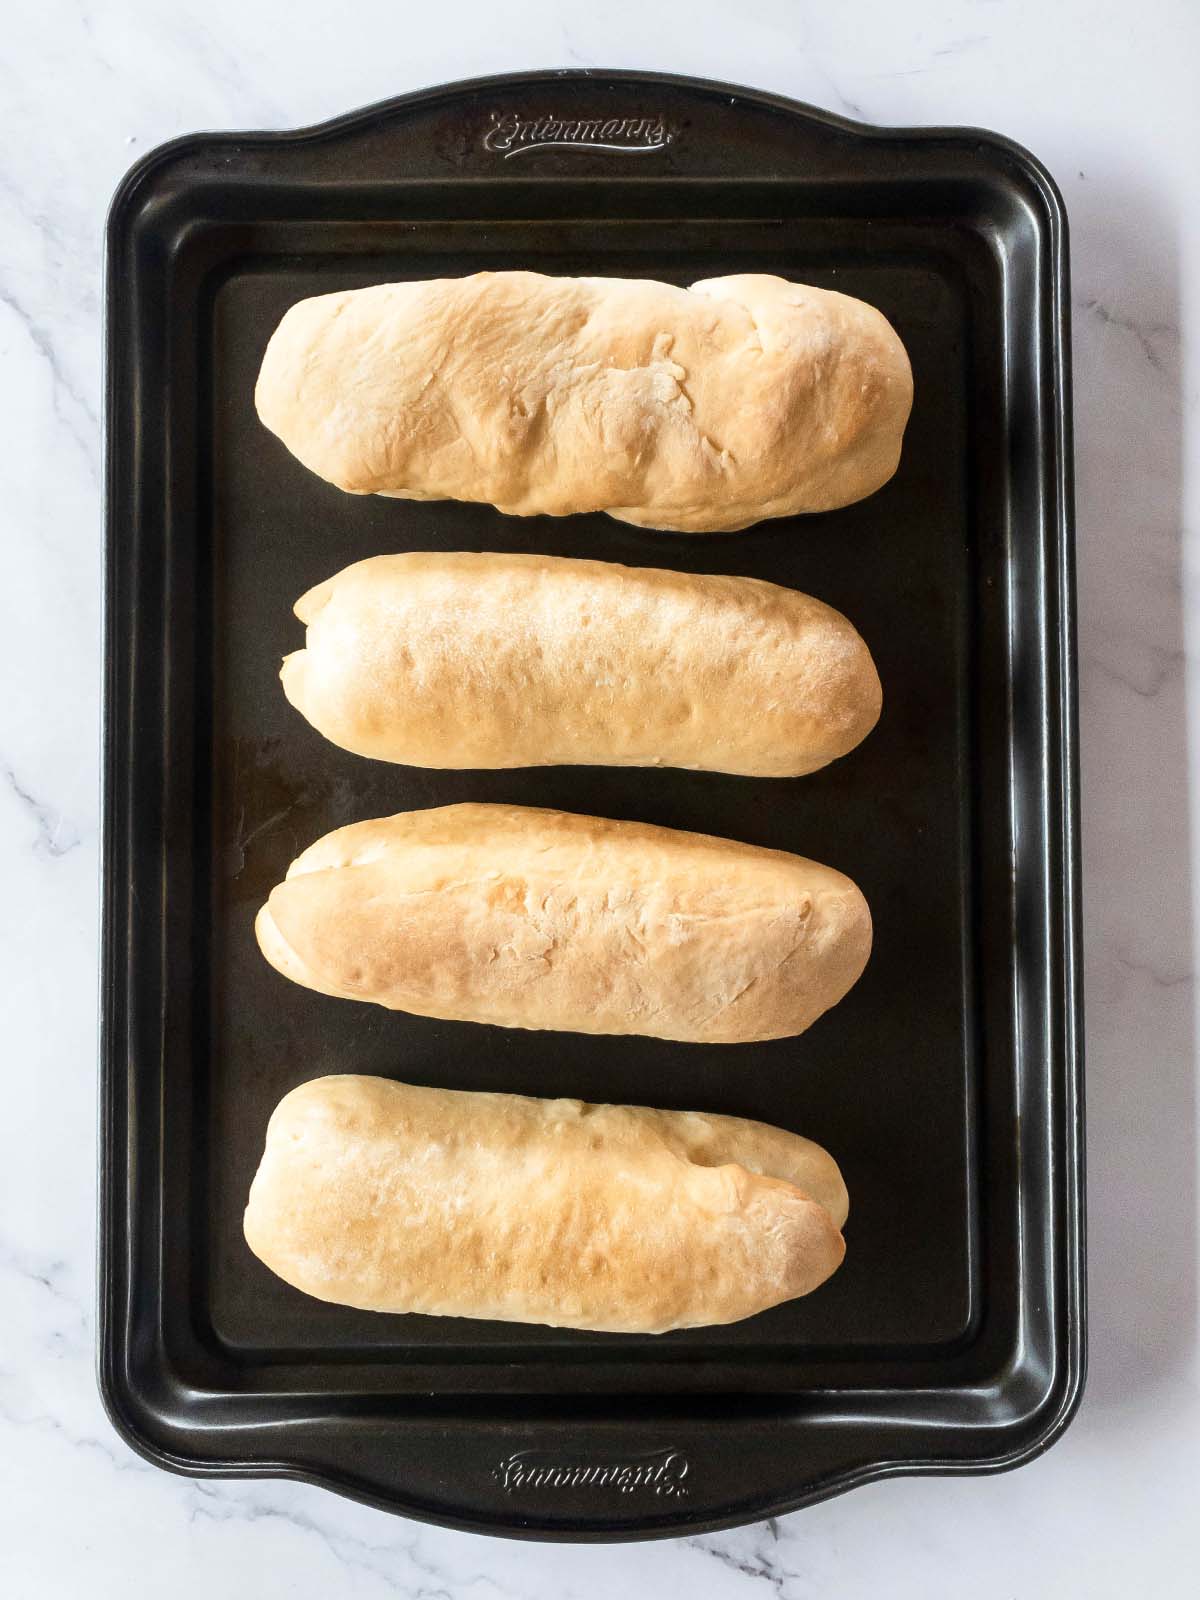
(699, 410)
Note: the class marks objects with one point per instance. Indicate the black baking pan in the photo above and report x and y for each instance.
(948, 1083)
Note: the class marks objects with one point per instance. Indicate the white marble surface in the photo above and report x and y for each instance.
(1105, 94)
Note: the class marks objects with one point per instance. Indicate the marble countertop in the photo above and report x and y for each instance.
(1101, 94)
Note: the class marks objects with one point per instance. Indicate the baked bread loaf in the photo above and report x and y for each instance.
(464, 660)
(697, 409)
(540, 919)
(619, 1219)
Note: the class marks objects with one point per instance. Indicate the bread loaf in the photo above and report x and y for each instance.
(540, 919)
(463, 660)
(698, 409)
(615, 1218)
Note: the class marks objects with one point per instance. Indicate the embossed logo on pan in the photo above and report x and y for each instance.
(660, 1472)
(513, 135)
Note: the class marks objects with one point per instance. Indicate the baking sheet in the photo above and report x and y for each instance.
(946, 1083)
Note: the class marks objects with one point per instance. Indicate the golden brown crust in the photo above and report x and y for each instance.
(698, 409)
(541, 919)
(500, 660)
(619, 1219)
